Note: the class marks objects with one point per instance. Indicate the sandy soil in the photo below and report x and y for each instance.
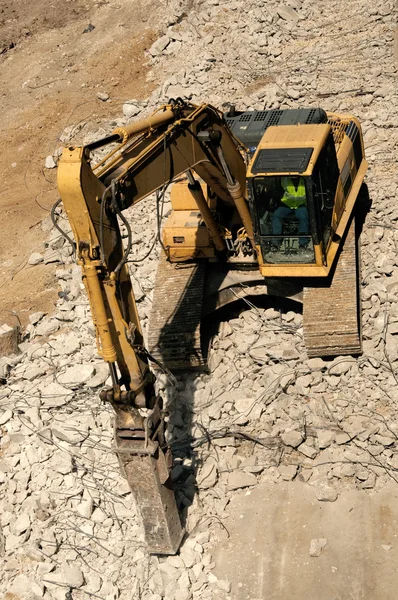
(280, 525)
(51, 72)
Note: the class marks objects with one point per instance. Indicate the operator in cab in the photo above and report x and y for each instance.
(293, 203)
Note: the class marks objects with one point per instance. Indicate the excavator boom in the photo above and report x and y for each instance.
(150, 154)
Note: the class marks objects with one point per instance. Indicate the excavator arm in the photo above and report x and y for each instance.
(144, 157)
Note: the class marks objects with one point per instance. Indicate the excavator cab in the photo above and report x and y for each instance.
(304, 174)
(293, 192)
(284, 230)
(289, 225)
(293, 210)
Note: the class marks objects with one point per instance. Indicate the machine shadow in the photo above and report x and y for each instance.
(188, 449)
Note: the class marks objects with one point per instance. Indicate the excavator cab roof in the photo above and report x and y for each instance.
(289, 149)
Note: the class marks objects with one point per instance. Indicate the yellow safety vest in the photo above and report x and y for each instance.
(293, 197)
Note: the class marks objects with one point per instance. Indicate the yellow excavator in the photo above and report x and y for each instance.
(263, 202)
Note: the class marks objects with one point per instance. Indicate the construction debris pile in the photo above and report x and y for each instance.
(266, 412)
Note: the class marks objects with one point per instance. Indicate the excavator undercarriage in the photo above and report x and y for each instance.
(185, 294)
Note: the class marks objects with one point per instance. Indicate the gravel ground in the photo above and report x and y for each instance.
(265, 412)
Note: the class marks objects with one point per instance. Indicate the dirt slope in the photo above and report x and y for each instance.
(50, 74)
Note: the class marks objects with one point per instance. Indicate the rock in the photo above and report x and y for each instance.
(69, 576)
(16, 443)
(292, 438)
(184, 582)
(90, 27)
(71, 434)
(293, 93)
(161, 44)
(225, 330)
(35, 258)
(287, 13)
(243, 405)
(240, 479)
(32, 455)
(170, 570)
(260, 355)
(342, 438)
(73, 577)
(9, 340)
(224, 441)
(50, 163)
(208, 475)
(212, 578)
(49, 543)
(85, 508)
(287, 378)
(369, 483)
(214, 360)
(12, 542)
(215, 409)
(178, 91)
(384, 440)
(66, 344)
(341, 365)
(76, 375)
(54, 394)
(4, 367)
(250, 465)
(98, 516)
(316, 364)
(21, 524)
(101, 375)
(303, 384)
(189, 557)
(182, 594)
(317, 545)
(5, 416)
(288, 472)
(326, 494)
(103, 96)
(61, 462)
(130, 108)
(325, 438)
(51, 256)
(382, 91)
(21, 587)
(348, 470)
(33, 372)
(47, 328)
(34, 318)
(308, 450)
(224, 585)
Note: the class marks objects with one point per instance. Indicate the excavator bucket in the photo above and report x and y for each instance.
(147, 470)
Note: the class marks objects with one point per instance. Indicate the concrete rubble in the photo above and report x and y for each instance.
(68, 520)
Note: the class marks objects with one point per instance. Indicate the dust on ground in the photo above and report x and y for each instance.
(53, 64)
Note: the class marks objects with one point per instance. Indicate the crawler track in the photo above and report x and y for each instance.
(331, 313)
(174, 330)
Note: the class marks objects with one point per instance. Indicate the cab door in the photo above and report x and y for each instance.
(324, 179)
